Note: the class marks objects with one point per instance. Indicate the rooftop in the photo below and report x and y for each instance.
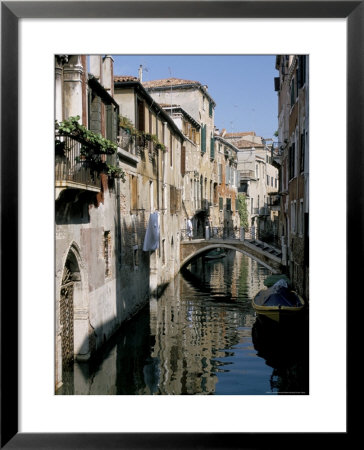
(169, 82)
(243, 143)
(122, 78)
(166, 83)
(239, 134)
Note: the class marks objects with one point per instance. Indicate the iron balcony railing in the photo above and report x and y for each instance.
(262, 211)
(126, 141)
(69, 166)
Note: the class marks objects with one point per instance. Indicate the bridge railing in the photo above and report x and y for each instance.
(223, 233)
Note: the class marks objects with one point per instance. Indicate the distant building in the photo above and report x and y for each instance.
(258, 180)
(194, 99)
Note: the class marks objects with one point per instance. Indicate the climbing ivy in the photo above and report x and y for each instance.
(93, 147)
(243, 211)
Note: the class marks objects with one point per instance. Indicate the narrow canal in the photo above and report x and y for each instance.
(201, 336)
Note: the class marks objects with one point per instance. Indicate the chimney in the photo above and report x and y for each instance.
(95, 66)
(140, 73)
(107, 78)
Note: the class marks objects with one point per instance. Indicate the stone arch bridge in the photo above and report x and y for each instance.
(264, 254)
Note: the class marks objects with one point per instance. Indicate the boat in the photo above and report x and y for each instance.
(278, 302)
(217, 253)
(272, 279)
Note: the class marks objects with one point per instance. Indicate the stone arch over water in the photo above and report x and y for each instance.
(212, 246)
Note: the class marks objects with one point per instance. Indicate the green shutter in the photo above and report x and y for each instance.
(212, 147)
(203, 138)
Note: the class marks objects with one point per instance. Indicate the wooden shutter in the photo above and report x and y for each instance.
(183, 161)
(203, 138)
(109, 120)
(212, 147)
(141, 115)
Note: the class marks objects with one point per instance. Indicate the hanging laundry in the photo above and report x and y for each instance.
(151, 239)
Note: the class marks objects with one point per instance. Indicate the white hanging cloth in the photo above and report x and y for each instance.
(151, 239)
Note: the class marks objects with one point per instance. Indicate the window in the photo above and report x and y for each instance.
(135, 256)
(271, 181)
(267, 179)
(174, 199)
(302, 154)
(243, 187)
(133, 192)
(210, 109)
(183, 161)
(212, 147)
(151, 195)
(293, 92)
(228, 204)
(301, 71)
(215, 194)
(292, 157)
(293, 216)
(252, 206)
(300, 218)
(227, 175)
(107, 253)
(163, 251)
(221, 203)
(109, 122)
(140, 119)
(203, 138)
(171, 148)
(220, 173)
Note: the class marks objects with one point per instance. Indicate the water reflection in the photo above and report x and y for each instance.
(200, 337)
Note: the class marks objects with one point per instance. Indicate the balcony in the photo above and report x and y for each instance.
(246, 175)
(70, 171)
(262, 211)
(274, 202)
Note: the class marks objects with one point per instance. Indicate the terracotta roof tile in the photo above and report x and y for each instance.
(123, 78)
(242, 133)
(242, 143)
(169, 82)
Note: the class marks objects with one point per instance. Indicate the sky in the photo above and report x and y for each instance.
(242, 86)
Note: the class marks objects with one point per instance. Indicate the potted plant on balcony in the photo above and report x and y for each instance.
(94, 147)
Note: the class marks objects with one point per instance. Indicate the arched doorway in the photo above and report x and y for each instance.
(70, 285)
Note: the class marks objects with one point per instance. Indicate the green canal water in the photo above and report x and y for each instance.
(201, 336)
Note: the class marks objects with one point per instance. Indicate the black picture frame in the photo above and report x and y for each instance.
(11, 12)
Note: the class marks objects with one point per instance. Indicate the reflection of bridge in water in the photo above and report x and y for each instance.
(265, 254)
